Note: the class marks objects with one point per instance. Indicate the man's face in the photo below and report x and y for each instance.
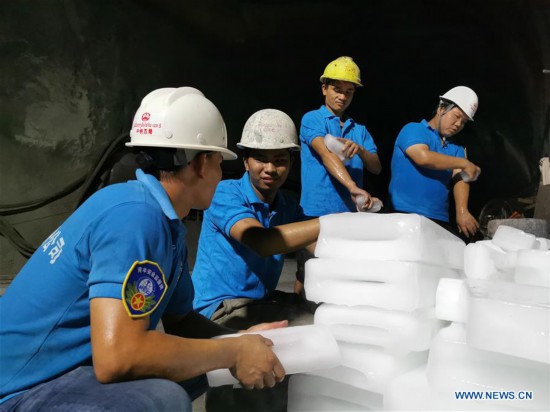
(212, 176)
(268, 169)
(452, 122)
(338, 96)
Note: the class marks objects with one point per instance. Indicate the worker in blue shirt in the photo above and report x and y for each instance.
(78, 325)
(330, 185)
(425, 164)
(245, 233)
(332, 180)
(249, 227)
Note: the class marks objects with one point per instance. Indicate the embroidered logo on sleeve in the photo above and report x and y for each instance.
(143, 288)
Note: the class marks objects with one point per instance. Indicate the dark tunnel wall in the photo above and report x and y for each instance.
(74, 71)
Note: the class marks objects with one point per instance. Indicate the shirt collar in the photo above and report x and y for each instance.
(158, 192)
(328, 114)
(251, 194)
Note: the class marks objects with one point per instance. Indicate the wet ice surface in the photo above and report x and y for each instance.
(394, 283)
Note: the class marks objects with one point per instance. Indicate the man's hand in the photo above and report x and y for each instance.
(467, 224)
(356, 192)
(256, 365)
(350, 148)
(472, 171)
(267, 326)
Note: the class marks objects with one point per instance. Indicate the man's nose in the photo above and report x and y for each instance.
(269, 167)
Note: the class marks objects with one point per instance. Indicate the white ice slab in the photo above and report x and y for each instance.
(533, 268)
(411, 391)
(299, 348)
(397, 332)
(542, 244)
(453, 365)
(451, 300)
(316, 393)
(485, 260)
(385, 284)
(511, 239)
(397, 236)
(509, 318)
(378, 366)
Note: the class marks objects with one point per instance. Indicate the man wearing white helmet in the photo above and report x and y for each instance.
(79, 322)
(424, 164)
(249, 227)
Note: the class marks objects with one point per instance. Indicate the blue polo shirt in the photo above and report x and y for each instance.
(321, 193)
(225, 268)
(45, 313)
(413, 188)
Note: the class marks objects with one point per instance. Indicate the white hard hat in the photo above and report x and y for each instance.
(269, 129)
(463, 97)
(180, 118)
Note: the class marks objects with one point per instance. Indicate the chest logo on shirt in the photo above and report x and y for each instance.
(143, 288)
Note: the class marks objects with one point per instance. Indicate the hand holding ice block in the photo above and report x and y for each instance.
(299, 348)
(360, 202)
(336, 146)
(466, 178)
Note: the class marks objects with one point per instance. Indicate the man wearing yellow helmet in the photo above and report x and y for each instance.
(332, 179)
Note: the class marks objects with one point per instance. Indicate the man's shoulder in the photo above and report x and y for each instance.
(316, 114)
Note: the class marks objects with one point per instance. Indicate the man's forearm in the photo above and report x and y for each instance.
(281, 239)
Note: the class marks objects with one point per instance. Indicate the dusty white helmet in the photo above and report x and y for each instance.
(269, 129)
(180, 118)
(463, 97)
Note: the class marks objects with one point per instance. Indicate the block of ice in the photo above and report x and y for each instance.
(411, 391)
(397, 236)
(299, 348)
(542, 243)
(396, 331)
(509, 318)
(385, 284)
(451, 300)
(533, 268)
(485, 260)
(453, 365)
(316, 393)
(509, 238)
(378, 366)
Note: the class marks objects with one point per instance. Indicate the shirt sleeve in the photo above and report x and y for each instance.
(312, 126)
(367, 141)
(229, 206)
(125, 234)
(410, 135)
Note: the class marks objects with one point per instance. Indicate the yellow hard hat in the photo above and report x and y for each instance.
(343, 68)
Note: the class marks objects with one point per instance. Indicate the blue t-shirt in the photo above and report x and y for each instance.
(413, 188)
(225, 268)
(45, 313)
(321, 193)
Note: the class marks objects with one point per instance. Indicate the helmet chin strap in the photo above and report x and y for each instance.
(444, 138)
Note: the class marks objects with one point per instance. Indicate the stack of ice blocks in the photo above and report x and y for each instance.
(498, 344)
(377, 276)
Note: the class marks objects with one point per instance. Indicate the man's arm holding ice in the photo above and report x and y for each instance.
(421, 155)
(123, 349)
(336, 169)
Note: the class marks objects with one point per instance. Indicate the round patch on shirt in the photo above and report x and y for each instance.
(143, 288)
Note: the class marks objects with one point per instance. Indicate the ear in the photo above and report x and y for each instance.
(199, 165)
(324, 88)
(245, 162)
